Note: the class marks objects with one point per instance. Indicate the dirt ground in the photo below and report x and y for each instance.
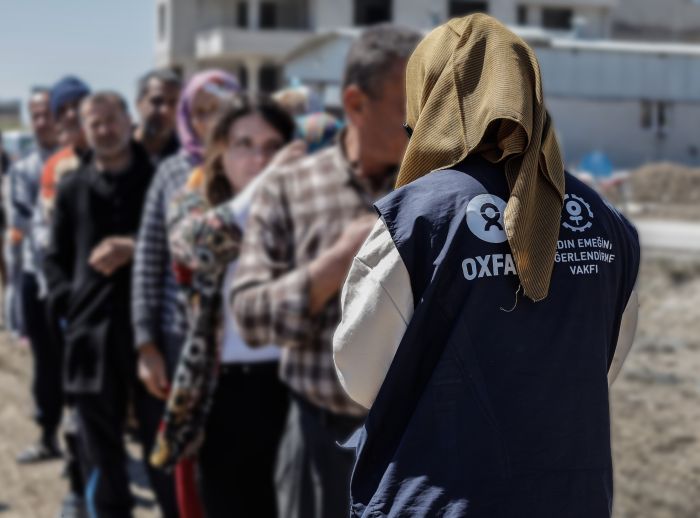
(662, 190)
(656, 401)
(655, 409)
(36, 491)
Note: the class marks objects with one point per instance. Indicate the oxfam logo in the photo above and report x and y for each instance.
(485, 218)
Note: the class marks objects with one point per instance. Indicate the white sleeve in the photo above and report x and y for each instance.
(377, 304)
(628, 328)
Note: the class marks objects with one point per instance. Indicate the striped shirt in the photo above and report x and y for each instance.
(297, 214)
(158, 310)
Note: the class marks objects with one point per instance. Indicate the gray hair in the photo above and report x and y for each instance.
(37, 90)
(372, 55)
(165, 76)
(108, 97)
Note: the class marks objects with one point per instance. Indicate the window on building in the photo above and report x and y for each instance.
(662, 120)
(557, 18)
(655, 117)
(294, 14)
(268, 15)
(268, 78)
(522, 15)
(645, 118)
(465, 7)
(162, 21)
(242, 15)
(662, 115)
(369, 12)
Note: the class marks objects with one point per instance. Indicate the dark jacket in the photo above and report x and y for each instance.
(496, 406)
(95, 309)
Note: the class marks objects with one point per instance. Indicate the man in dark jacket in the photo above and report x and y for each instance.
(88, 269)
(156, 103)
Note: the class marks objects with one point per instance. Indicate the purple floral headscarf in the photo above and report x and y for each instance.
(220, 83)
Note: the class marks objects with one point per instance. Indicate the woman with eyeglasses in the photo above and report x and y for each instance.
(227, 404)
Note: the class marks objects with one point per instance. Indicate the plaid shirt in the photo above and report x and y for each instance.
(297, 214)
(156, 303)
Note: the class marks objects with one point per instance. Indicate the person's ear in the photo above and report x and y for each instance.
(142, 104)
(354, 104)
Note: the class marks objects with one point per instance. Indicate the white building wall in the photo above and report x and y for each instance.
(598, 22)
(669, 17)
(597, 18)
(618, 72)
(419, 14)
(607, 4)
(616, 129)
(505, 10)
(216, 13)
(177, 48)
(188, 18)
(330, 15)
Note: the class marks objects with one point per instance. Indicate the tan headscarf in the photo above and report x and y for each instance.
(474, 87)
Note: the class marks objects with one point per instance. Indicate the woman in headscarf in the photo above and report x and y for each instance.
(483, 316)
(227, 404)
(158, 315)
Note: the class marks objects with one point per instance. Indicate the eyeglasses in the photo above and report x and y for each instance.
(409, 130)
(246, 148)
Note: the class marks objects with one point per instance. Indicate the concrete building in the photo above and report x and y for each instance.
(590, 19)
(635, 102)
(657, 20)
(253, 37)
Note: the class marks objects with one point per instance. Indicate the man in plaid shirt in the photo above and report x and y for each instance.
(306, 224)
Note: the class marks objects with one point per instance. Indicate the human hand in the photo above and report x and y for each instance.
(151, 371)
(111, 254)
(328, 271)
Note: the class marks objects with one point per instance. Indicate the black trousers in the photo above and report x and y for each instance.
(102, 422)
(75, 456)
(149, 411)
(313, 472)
(47, 388)
(237, 459)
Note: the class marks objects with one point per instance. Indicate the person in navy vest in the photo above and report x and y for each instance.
(491, 306)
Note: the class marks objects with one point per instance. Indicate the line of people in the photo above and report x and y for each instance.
(201, 291)
(182, 278)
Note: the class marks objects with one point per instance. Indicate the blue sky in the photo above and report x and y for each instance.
(108, 43)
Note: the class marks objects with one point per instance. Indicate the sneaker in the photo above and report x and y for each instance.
(73, 506)
(39, 452)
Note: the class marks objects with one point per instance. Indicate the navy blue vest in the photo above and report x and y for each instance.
(495, 406)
